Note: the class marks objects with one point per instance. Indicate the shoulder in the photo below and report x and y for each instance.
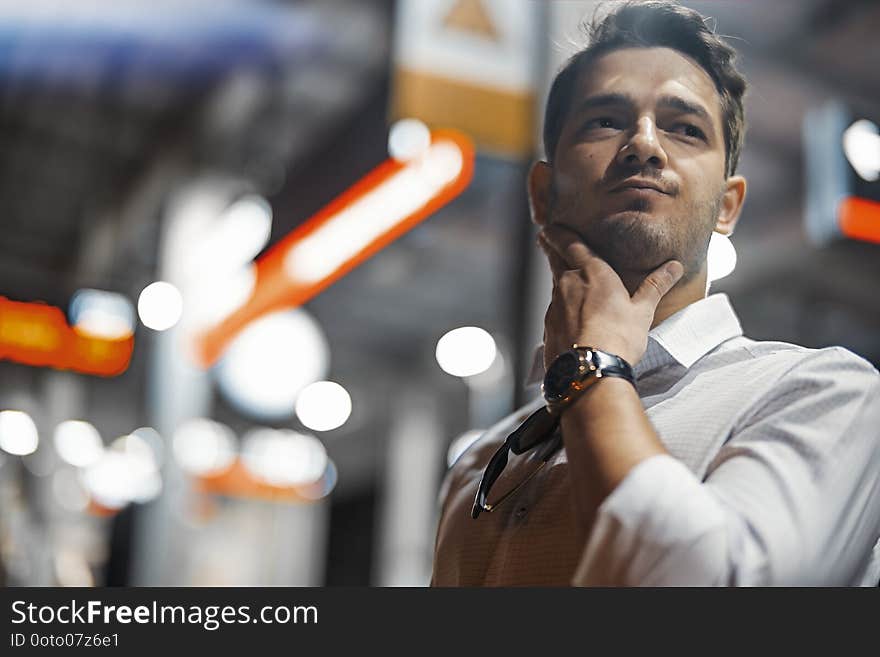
(792, 363)
(795, 380)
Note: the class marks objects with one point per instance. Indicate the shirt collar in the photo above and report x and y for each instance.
(682, 338)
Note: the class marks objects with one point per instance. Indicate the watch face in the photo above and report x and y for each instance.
(560, 375)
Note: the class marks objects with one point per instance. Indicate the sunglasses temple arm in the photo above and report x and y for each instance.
(490, 474)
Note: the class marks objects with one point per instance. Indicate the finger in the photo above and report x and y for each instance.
(557, 264)
(658, 283)
(569, 245)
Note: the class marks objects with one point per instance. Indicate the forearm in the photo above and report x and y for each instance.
(606, 433)
(666, 530)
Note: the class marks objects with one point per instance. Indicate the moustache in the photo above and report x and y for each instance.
(656, 177)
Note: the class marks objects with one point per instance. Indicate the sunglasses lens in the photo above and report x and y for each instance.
(535, 429)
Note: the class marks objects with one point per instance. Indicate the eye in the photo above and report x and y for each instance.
(602, 122)
(689, 130)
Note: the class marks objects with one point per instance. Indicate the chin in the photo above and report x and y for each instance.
(632, 241)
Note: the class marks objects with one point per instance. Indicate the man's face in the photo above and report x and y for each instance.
(639, 170)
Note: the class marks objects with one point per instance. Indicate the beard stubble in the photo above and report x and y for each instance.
(634, 243)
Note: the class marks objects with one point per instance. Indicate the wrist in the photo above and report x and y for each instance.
(577, 369)
(615, 346)
(607, 343)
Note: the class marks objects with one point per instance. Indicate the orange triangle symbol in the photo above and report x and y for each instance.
(471, 16)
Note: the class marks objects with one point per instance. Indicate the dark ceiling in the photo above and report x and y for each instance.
(91, 98)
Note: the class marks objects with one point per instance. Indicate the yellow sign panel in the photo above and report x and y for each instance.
(471, 65)
(471, 16)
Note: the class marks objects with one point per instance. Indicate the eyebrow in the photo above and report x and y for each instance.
(685, 107)
(603, 100)
(668, 101)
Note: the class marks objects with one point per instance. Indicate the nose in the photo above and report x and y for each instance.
(643, 148)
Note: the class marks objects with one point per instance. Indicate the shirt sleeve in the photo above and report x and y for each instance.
(793, 497)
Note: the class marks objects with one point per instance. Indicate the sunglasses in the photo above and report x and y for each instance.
(538, 428)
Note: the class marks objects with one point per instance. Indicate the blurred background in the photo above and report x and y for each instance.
(160, 160)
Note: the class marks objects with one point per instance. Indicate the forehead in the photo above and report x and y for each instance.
(645, 74)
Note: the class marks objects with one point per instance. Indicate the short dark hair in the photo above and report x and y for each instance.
(647, 24)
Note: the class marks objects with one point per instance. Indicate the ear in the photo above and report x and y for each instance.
(540, 176)
(731, 204)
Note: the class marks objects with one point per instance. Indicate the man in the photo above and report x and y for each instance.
(700, 457)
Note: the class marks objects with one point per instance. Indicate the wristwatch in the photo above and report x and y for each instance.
(575, 370)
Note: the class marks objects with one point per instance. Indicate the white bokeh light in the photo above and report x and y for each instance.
(323, 487)
(241, 232)
(215, 297)
(126, 472)
(160, 306)
(142, 466)
(69, 491)
(220, 275)
(78, 443)
(283, 457)
(721, 257)
(204, 447)
(323, 406)
(18, 433)
(102, 314)
(861, 144)
(152, 438)
(108, 480)
(491, 377)
(408, 139)
(466, 351)
(271, 361)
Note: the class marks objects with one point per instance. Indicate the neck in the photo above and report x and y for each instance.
(686, 291)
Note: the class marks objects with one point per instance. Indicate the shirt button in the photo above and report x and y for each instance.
(521, 512)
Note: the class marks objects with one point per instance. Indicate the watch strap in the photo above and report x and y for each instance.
(611, 365)
(602, 364)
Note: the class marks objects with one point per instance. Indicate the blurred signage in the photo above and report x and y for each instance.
(383, 205)
(38, 334)
(472, 65)
(238, 482)
(843, 175)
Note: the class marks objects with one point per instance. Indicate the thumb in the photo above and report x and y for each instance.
(658, 283)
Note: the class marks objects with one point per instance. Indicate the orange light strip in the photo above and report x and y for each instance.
(859, 219)
(38, 334)
(299, 267)
(238, 482)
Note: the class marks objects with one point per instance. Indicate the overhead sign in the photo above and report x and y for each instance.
(383, 205)
(38, 334)
(471, 65)
(843, 175)
(471, 15)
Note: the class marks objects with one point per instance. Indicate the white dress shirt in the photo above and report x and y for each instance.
(773, 476)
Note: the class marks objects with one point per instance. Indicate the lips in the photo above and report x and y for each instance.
(640, 185)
